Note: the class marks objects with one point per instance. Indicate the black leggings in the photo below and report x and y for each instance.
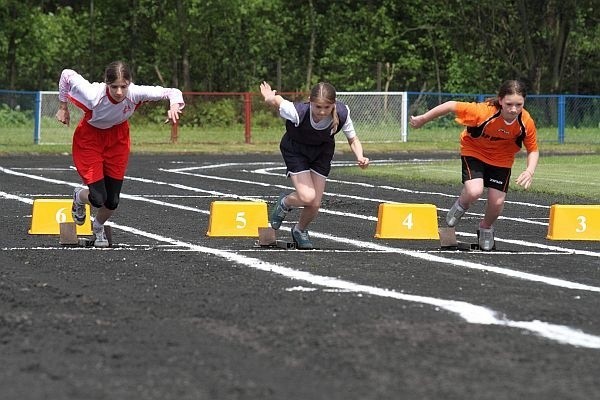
(105, 192)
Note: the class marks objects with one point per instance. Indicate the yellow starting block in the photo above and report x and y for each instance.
(237, 218)
(407, 221)
(574, 222)
(48, 214)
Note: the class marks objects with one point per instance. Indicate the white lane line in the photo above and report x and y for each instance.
(363, 245)
(330, 194)
(471, 313)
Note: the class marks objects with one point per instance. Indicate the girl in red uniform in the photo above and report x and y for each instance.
(101, 141)
(495, 131)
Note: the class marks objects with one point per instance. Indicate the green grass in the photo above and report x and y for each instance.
(564, 175)
(564, 169)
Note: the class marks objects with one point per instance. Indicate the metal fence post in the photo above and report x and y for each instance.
(248, 117)
(561, 119)
(37, 118)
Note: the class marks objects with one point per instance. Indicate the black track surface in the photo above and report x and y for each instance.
(169, 313)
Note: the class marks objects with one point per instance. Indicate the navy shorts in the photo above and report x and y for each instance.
(301, 157)
(493, 177)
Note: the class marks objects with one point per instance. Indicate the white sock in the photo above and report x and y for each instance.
(97, 225)
(78, 199)
(286, 208)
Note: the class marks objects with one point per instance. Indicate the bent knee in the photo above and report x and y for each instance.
(307, 197)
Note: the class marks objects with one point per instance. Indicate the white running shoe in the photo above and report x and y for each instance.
(100, 239)
(486, 238)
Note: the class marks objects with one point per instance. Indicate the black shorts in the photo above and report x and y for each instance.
(493, 177)
(301, 157)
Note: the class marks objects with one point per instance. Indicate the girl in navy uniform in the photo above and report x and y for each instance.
(307, 148)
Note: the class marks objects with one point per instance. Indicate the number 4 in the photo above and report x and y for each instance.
(408, 221)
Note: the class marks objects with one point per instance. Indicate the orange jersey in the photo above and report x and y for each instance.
(497, 144)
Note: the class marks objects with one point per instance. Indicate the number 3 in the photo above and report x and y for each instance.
(582, 224)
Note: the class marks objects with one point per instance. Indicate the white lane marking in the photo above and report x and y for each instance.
(371, 199)
(471, 313)
(540, 246)
(362, 245)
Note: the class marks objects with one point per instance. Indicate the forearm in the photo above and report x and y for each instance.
(356, 147)
(435, 112)
(532, 161)
(440, 110)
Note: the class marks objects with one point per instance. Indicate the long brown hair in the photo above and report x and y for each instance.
(117, 70)
(324, 91)
(512, 86)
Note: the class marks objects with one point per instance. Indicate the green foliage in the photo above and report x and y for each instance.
(221, 113)
(464, 46)
(10, 118)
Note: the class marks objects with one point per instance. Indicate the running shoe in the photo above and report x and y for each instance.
(455, 214)
(100, 239)
(301, 239)
(78, 209)
(486, 238)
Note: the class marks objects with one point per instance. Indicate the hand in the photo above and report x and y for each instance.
(525, 179)
(417, 121)
(173, 113)
(363, 162)
(63, 115)
(268, 93)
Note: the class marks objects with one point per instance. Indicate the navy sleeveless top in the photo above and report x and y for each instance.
(306, 134)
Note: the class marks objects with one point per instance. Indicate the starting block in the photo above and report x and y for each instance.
(267, 238)
(68, 236)
(574, 222)
(48, 214)
(407, 221)
(237, 218)
(448, 241)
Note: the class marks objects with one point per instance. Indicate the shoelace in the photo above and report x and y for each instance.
(304, 236)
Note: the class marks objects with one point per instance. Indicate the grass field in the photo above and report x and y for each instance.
(569, 168)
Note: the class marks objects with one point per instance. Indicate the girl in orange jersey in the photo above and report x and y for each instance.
(101, 140)
(495, 131)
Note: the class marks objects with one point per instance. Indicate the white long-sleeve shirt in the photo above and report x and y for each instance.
(100, 110)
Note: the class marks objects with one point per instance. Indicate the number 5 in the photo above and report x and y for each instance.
(240, 220)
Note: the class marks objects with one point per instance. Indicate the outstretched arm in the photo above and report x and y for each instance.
(271, 97)
(357, 149)
(437, 111)
(526, 177)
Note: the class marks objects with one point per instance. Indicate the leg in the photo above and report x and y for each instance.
(309, 192)
(493, 208)
(472, 190)
(113, 192)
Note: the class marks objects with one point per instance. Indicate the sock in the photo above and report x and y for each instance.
(483, 226)
(97, 225)
(286, 208)
(78, 199)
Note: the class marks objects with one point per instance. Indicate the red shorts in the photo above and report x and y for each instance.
(101, 152)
